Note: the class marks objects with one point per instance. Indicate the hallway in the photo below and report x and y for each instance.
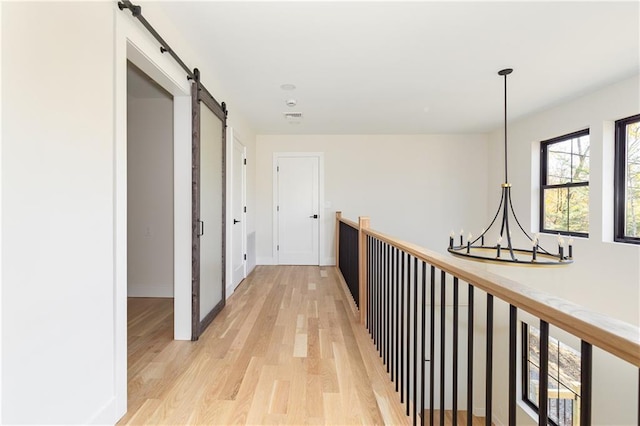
(285, 350)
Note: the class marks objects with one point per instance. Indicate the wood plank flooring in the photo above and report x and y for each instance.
(285, 350)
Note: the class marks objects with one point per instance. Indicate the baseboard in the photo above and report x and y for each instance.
(141, 290)
(265, 261)
(250, 269)
(229, 291)
(107, 415)
(328, 261)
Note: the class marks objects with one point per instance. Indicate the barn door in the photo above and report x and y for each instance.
(208, 213)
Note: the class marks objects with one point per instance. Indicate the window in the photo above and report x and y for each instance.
(564, 377)
(564, 186)
(627, 180)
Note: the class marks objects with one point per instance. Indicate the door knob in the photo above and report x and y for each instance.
(315, 216)
(235, 221)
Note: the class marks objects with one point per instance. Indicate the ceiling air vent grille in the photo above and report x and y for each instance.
(292, 115)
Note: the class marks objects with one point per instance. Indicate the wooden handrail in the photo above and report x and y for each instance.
(351, 223)
(616, 337)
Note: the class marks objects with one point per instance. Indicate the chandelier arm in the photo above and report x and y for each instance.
(505, 222)
(540, 248)
(517, 221)
(496, 216)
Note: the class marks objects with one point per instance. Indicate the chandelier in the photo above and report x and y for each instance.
(503, 251)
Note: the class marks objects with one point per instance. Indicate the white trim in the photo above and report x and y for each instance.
(182, 217)
(328, 261)
(1, 216)
(134, 43)
(233, 135)
(321, 210)
(266, 261)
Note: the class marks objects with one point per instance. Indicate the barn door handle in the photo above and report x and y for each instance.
(315, 216)
(200, 228)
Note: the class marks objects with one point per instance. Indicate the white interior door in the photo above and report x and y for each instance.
(238, 222)
(297, 210)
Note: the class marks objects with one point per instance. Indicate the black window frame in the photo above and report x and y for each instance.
(525, 372)
(544, 146)
(619, 169)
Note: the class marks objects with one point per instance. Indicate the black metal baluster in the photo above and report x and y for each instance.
(387, 325)
(454, 379)
(513, 334)
(470, 358)
(422, 340)
(489, 363)
(415, 341)
(376, 308)
(379, 295)
(443, 297)
(586, 364)
(401, 376)
(383, 265)
(543, 389)
(408, 353)
(432, 344)
(372, 281)
(394, 308)
(369, 275)
(397, 324)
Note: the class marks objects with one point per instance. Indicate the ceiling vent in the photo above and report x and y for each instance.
(292, 115)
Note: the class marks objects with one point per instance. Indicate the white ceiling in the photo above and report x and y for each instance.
(392, 67)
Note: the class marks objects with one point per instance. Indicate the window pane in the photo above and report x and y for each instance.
(566, 209)
(559, 163)
(580, 159)
(632, 192)
(563, 390)
(579, 209)
(554, 399)
(569, 365)
(534, 375)
(556, 209)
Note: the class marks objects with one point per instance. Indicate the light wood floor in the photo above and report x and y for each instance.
(285, 350)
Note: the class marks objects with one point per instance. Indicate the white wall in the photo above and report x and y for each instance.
(63, 195)
(606, 275)
(415, 187)
(57, 212)
(150, 194)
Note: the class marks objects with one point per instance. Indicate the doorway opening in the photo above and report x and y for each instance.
(150, 218)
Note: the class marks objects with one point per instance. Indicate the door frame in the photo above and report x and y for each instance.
(133, 43)
(232, 136)
(321, 205)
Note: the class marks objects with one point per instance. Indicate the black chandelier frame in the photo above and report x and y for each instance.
(475, 249)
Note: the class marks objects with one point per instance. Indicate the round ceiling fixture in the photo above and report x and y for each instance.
(291, 102)
(288, 86)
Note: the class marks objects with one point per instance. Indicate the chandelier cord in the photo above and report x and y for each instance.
(506, 176)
